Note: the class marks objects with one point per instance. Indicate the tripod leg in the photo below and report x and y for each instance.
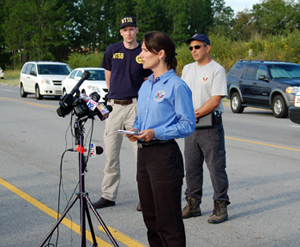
(58, 222)
(101, 222)
(90, 224)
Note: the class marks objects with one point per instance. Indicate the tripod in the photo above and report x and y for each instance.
(83, 197)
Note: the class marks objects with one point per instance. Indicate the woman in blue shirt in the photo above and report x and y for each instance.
(165, 112)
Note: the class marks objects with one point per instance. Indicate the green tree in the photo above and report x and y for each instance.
(272, 16)
(4, 55)
(200, 16)
(222, 19)
(148, 17)
(243, 27)
(33, 29)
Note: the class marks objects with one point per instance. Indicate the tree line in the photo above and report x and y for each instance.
(52, 29)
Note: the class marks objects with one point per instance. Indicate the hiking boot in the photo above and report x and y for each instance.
(219, 213)
(191, 209)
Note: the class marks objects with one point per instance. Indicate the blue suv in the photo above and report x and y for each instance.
(263, 84)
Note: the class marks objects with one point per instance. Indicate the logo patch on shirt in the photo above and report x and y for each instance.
(138, 59)
(159, 95)
(205, 78)
(118, 55)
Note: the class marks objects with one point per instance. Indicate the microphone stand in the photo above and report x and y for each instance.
(83, 197)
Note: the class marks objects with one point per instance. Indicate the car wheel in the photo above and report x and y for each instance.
(38, 92)
(236, 103)
(22, 92)
(279, 107)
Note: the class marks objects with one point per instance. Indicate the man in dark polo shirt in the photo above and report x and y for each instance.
(124, 75)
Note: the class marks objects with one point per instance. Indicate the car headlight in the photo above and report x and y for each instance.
(93, 88)
(292, 89)
(47, 81)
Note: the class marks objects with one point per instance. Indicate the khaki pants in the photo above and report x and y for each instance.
(122, 117)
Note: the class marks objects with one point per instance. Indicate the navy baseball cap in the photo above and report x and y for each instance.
(127, 21)
(200, 37)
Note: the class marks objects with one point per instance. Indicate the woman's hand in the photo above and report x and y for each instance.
(146, 135)
(133, 138)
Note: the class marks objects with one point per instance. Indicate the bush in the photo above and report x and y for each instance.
(79, 60)
(223, 50)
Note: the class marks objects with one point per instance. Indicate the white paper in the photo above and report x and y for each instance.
(128, 132)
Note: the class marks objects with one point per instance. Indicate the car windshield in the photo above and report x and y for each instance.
(97, 75)
(53, 69)
(285, 71)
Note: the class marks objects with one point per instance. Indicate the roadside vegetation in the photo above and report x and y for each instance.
(11, 77)
(55, 30)
(224, 51)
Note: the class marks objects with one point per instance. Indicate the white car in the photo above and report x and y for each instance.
(1, 73)
(43, 78)
(95, 83)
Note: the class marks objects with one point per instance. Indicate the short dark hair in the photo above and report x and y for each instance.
(156, 41)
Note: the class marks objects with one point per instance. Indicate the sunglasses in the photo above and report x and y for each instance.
(197, 47)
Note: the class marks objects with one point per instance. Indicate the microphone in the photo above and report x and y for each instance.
(102, 109)
(67, 101)
(93, 150)
(99, 150)
(85, 75)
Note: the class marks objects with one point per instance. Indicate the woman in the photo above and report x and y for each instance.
(165, 112)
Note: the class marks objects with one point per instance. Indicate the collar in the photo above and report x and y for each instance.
(163, 78)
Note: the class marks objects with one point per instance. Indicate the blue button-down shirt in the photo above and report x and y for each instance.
(165, 105)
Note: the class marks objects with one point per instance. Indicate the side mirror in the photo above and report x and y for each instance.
(32, 73)
(263, 78)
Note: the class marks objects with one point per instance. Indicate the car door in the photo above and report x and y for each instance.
(261, 87)
(28, 79)
(247, 81)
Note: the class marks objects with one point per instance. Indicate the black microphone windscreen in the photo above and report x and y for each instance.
(85, 75)
(99, 150)
(109, 107)
(95, 96)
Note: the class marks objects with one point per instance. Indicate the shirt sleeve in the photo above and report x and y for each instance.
(219, 87)
(106, 62)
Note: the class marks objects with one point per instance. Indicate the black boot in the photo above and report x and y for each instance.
(102, 203)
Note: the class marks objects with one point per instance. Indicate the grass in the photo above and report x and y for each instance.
(11, 78)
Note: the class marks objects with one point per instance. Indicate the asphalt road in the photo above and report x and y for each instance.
(263, 165)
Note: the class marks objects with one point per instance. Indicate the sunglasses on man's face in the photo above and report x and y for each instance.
(197, 47)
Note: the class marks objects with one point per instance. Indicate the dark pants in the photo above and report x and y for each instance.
(206, 144)
(159, 175)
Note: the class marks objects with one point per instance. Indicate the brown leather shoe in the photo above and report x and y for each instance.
(139, 207)
(102, 203)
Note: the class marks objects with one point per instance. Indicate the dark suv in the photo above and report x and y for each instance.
(263, 84)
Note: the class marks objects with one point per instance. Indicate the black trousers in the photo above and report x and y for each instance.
(207, 145)
(159, 175)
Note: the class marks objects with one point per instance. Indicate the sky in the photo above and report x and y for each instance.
(240, 5)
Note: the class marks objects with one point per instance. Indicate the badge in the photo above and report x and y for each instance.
(159, 95)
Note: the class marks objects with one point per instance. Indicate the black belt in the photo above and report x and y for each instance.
(121, 102)
(152, 143)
